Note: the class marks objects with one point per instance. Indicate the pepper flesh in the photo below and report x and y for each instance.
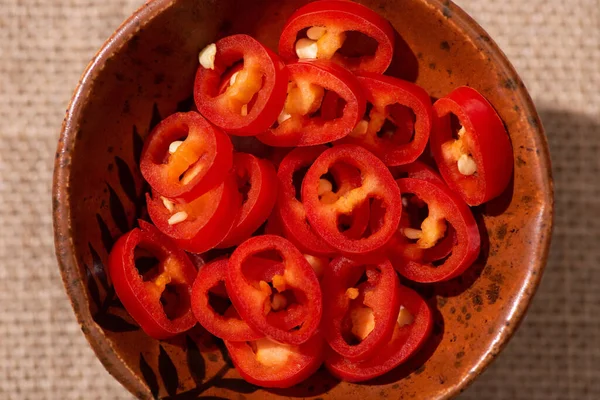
(391, 99)
(142, 297)
(337, 18)
(252, 298)
(418, 170)
(197, 164)
(409, 258)
(408, 337)
(259, 201)
(222, 326)
(377, 298)
(482, 139)
(270, 364)
(376, 183)
(309, 80)
(258, 88)
(209, 218)
(266, 272)
(290, 213)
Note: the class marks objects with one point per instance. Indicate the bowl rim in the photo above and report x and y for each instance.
(65, 248)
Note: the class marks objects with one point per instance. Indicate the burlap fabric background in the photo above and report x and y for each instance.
(44, 46)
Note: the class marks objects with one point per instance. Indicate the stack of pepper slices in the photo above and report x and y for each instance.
(318, 228)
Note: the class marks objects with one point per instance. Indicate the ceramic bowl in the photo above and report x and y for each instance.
(144, 72)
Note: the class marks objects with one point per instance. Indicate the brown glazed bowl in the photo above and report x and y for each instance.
(145, 71)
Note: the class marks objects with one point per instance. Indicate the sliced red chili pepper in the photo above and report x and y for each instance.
(478, 165)
(262, 269)
(391, 99)
(401, 244)
(442, 248)
(329, 22)
(412, 329)
(416, 170)
(346, 178)
(286, 315)
(359, 318)
(411, 258)
(332, 106)
(201, 224)
(318, 264)
(255, 300)
(399, 132)
(291, 212)
(257, 181)
(254, 98)
(185, 156)
(324, 210)
(158, 300)
(227, 77)
(228, 328)
(298, 125)
(270, 364)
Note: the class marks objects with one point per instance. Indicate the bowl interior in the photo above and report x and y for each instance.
(145, 72)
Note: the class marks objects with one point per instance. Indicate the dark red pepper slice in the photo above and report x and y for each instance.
(298, 125)
(289, 315)
(413, 328)
(257, 181)
(270, 364)
(252, 103)
(195, 166)
(339, 18)
(443, 248)
(367, 311)
(223, 326)
(318, 263)
(255, 300)
(291, 214)
(391, 99)
(324, 211)
(158, 300)
(347, 178)
(413, 260)
(201, 224)
(482, 150)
